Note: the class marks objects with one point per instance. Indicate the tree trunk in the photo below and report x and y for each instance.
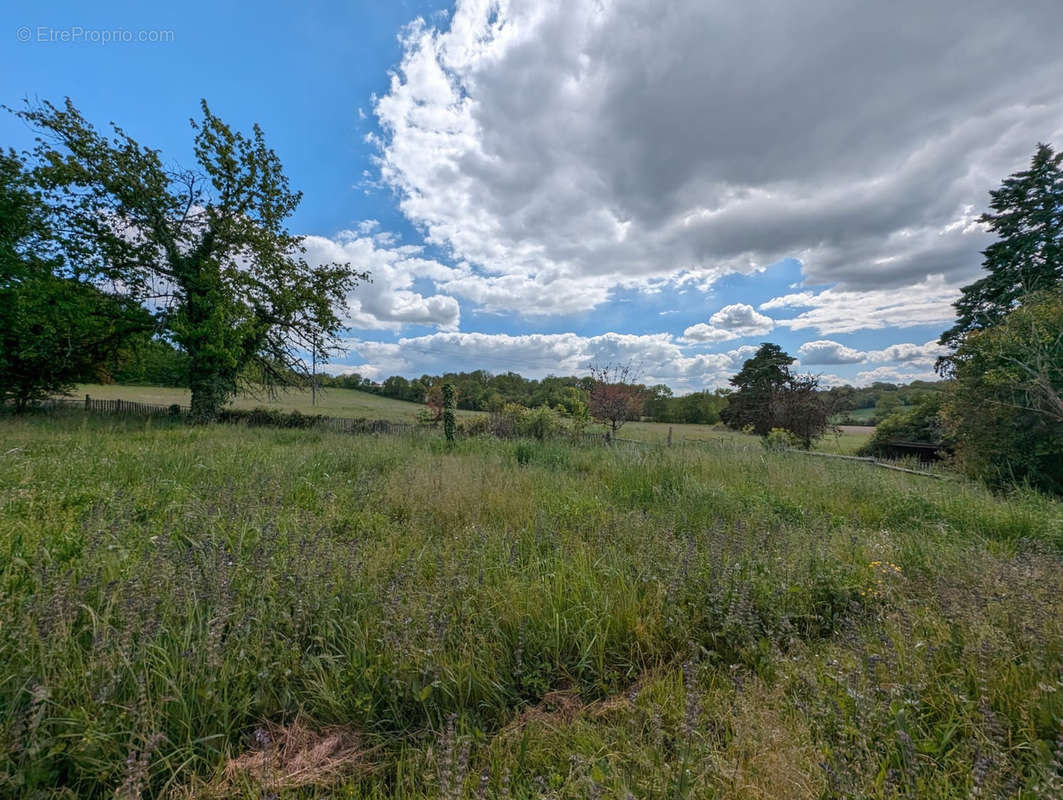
(211, 388)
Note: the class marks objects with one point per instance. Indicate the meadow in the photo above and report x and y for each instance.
(352, 403)
(250, 612)
(330, 402)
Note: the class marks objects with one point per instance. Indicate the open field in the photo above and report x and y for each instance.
(224, 611)
(330, 402)
(860, 413)
(352, 403)
(846, 441)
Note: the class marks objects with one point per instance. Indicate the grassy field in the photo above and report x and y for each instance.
(863, 414)
(330, 402)
(352, 403)
(844, 442)
(233, 612)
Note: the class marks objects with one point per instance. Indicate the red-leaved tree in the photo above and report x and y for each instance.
(615, 397)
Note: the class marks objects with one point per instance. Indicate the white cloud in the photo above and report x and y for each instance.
(559, 150)
(657, 357)
(730, 322)
(825, 351)
(835, 310)
(389, 300)
(926, 353)
(742, 319)
(894, 375)
(705, 334)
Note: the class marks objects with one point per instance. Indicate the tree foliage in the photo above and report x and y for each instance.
(1027, 216)
(1005, 407)
(615, 398)
(921, 422)
(448, 411)
(56, 325)
(756, 384)
(206, 249)
(769, 397)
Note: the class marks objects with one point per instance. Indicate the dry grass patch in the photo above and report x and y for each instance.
(294, 756)
(770, 755)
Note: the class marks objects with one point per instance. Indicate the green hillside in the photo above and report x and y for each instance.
(331, 402)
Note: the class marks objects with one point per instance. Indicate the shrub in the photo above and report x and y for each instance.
(268, 417)
(919, 423)
(448, 411)
(1005, 406)
(778, 439)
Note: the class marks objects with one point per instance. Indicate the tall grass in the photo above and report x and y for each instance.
(517, 619)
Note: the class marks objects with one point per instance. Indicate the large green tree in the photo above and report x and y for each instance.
(205, 249)
(756, 384)
(56, 324)
(767, 395)
(1027, 216)
(1004, 408)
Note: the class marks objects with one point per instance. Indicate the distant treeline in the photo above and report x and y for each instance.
(869, 405)
(157, 363)
(484, 391)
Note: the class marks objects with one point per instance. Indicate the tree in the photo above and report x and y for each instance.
(1004, 409)
(205, 249)
(799, 408)
(614, 399)
(56, 326)
(920, 422)
(756, 386)
(767, 396)
(1027, 216)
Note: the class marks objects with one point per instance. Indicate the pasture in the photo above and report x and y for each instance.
(352, 403)
(330, 402)
(235, 612)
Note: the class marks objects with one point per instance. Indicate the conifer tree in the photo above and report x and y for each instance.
(1027, 216)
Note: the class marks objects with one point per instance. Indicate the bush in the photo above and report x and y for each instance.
(779, 439)
(514, 420)
(1005, 406)
(268, 417)
(919, 423)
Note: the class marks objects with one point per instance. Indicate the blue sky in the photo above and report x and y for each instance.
(538, 186)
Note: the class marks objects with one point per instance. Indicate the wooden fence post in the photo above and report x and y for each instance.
(669, 435)
(87, 401)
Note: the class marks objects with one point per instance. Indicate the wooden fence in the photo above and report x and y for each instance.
(130, 407)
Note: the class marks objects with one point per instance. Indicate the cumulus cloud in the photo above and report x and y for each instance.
(827, 351)
(730, 322)
(658, 358)
(894, 375)
(742, 319)
(926, 353)
(707, 334)
(840, 311)
(559, 150)
(389, 300)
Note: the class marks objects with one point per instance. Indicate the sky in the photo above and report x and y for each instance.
(538, 186)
